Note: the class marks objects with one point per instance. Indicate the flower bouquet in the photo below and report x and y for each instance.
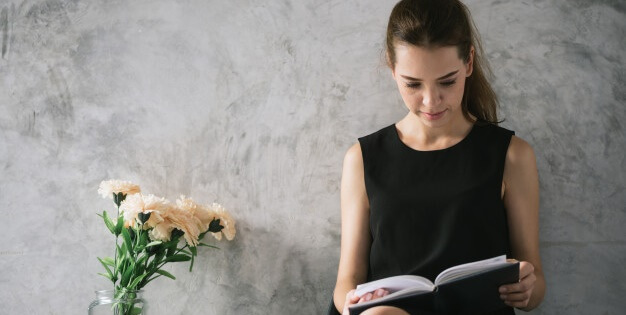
(148, 234)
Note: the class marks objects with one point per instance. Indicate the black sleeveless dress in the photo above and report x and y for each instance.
(430, 210)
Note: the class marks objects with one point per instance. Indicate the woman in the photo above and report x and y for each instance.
(445, 185)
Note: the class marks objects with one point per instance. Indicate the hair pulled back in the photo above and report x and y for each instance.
(438, 23)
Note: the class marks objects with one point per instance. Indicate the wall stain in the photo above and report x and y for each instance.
(31, 123)
(64, 109)
(339, 91)
(4, 28)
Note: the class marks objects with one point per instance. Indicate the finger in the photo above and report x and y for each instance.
(525, 284)
(380, 293)
(366, 297)
(525, 269)
(516, 288)
(350, 294)
(516, 297)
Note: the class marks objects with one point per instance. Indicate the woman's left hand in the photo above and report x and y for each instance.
(518, 294)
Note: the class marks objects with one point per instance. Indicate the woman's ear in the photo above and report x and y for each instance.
(469, 65)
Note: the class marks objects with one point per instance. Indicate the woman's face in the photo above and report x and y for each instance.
(431, 82)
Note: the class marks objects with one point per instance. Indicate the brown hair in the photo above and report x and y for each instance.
(436, 23)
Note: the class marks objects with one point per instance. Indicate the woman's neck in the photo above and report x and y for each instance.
(414, 133)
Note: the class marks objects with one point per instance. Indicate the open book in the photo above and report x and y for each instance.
(467, 288)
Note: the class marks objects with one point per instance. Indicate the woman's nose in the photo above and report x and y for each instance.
(431, 97)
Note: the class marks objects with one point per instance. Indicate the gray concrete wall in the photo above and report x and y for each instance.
(253, 104)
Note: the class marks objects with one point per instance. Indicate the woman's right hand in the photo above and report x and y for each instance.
(352, 299)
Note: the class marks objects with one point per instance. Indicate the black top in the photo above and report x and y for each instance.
(431, 210)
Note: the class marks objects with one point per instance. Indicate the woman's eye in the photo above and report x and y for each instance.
(448, 83)
(413, 85)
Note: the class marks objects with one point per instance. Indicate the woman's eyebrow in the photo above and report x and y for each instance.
(440, 78)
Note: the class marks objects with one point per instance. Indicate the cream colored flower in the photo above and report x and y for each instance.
(109, 187)
(164, 218)
(225, 220)
(202, 216)
(138, 203)
(186, 215)
(161, 232)
(184, 221)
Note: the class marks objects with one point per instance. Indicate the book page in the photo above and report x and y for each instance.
(395, 284)
(469, 268)
(412, 291)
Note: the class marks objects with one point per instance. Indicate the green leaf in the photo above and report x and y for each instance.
(126, 276)
(178, 257)
(201, 236)
(127, 241)
(142, 260)
(108, 222)
(119, 225)
(143, 240)
(191, 264)
(153, 243)
(207, 245)
(108, 276)
(107, 268)
(158, 258)
(131, 232)
(193, 250)
(136, 310)
(121, 252)
(109, 261)
(165, 273)
(136, 281)
(171, 248)
(119, 258)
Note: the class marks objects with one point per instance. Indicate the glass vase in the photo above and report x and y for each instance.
(107, 302)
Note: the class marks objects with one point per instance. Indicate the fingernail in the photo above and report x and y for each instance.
(502, 290)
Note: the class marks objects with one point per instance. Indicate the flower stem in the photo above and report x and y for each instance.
(178, 251)
(115, 257)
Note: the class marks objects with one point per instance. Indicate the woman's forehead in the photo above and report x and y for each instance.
(426, 63)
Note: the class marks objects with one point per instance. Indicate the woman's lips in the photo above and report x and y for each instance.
(434, 116)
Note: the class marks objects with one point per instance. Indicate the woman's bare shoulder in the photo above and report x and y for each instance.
(354, 155)
(520, 152)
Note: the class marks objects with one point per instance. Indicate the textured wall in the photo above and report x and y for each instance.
(253, 104)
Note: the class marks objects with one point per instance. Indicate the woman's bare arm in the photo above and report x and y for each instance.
(355, 236)
(521, 199)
